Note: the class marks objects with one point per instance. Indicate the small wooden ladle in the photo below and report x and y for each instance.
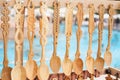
(67, 63)
(31, 66)
(6, 71)
(108, 54)
(55, 62)
(89, 59)
(78, 63)
(43, 70)
(99, 63)
(18, 72)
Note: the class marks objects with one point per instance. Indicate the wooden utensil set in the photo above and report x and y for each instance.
(31, 70)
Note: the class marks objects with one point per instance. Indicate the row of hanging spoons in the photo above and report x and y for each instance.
(31, 70)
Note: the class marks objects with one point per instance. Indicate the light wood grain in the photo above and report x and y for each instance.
(6, 71)
(89, 59)
(67, 63)
(99, 63)
(108, 54)
(18, 72)
(31, 66)
(43, 70)
(55, 62)
(78, 63)
(116, 4)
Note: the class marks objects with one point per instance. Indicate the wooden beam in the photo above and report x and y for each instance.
(116, 4)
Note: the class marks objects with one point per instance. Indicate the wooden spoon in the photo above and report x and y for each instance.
(18, 72)
(78, 63)
(67, 63)
(31, 66)
(43, 70)
(55, 61)
(89, 59)
(99, 63)
(6, 71)
(108, 55)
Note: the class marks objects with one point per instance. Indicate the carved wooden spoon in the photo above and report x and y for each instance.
(31, 66)
(55, 61)
(6, 71)
(99, 63)
(67, 63)
(78, 63)
(43, 70)
(89, 59)
(108, 55)
(18, 72)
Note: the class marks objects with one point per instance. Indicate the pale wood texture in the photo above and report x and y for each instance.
(18, 72)
(99, 63)
(6, 71)
(89, 59)
(55, 62)
(67, 63)
(31, 66)
(78, 63)
(43, 70)
(108, 54)
(116, 4)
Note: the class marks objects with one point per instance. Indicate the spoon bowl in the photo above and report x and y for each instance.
(55, 63)
(43, 72)
(18, 73)
(108, 57)
(90, 64)
(6, 71)
(78, 66)
(67, 66)
(99, 63)
(31, 69)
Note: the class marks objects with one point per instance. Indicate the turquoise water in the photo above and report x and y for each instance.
(115, 47)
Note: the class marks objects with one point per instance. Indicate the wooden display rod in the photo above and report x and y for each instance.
(116, 4)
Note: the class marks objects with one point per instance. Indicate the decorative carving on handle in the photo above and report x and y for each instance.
(110, 24)
(68, 28)
(43, 29)
(19, 37)
(80, 15)
(100, 27)
(91, 27)
(5, 27)
(31, 26)
(56, 24)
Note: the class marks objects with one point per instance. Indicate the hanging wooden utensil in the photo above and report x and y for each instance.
(18, 72)
(31, 66)
(55, 61)
(6, 71)
(78, 63)
(67, 63)
(108, 54)
(89, 59)
(43, 70)
(99, 63)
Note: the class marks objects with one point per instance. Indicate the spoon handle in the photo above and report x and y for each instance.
(110, 24)
(19, 37)
(68, 20)
(5, 26)
(100, 28)
(43, 29)
(56, 25)
(68, 28)
(91, 27)
(79, 15)
(31, 21)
